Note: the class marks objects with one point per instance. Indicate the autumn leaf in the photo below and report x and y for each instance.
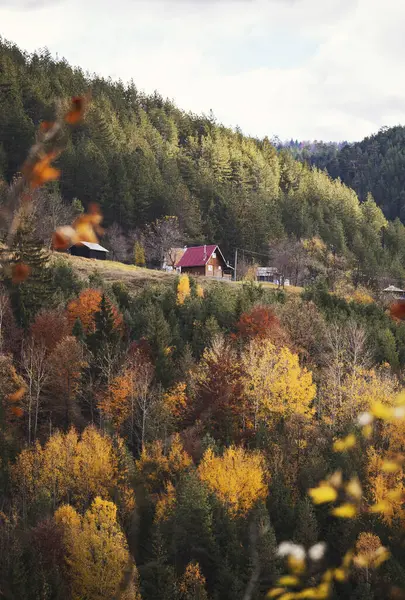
(345, 444)
(345, 511)
(16, 396)
(76, 112)
(381, 411)
(17, 411)
(20, 272)
(42, 171)
(64, 237)
(288, 580)
(46, 126)
(323, 493)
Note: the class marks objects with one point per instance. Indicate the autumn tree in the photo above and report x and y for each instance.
(274, 383)
(192, 584)
(183, 289)
(238, 478)
(97, 553)
(12, 389)
(130, 398)
(85, 308)
(261, 322)
(71, 468)
(155, 467)
(139, 254)
(48, 328)
(219, 389)
(65, 364)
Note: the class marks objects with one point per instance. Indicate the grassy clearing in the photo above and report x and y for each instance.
(135, 278)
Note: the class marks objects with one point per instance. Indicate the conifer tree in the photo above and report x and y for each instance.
(35, 293)
(139, 255)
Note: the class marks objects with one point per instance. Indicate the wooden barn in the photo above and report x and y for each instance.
(89, 250)
(204, 260)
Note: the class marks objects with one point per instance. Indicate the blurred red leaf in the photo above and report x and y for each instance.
(17, 411)
(45, 126)
(20, 272)
(76, 112)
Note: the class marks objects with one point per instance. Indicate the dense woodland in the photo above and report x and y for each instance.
(375, 165)
(141, 158)
(194, 440)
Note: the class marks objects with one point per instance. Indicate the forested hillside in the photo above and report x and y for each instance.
(140, 157)
(375, 165)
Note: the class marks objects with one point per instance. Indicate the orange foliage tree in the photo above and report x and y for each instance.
(129, 398)
(86, 306)
(12, 388)
(261, 322)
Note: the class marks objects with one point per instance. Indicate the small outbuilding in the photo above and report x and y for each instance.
(205, 260)
(89, 250)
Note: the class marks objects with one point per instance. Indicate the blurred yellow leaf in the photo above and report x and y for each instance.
(323, 493)
(345, 511)
(345, 444)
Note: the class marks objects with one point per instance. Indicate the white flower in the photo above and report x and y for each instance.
(399, 412)
(284, 549)
(297, 552)
(291, 549)
(317, 551)
(364, 419)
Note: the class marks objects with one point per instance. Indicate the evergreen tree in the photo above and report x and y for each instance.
(35, 292)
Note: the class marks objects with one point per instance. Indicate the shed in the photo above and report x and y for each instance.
(89, 250)
(206, 260)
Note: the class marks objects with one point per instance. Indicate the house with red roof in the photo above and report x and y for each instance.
(205, 260)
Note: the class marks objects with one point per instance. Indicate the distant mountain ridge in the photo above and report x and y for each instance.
(374, 165)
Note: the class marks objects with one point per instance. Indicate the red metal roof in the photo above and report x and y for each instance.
(195, 256)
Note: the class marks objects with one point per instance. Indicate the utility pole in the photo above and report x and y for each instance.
(236, 263)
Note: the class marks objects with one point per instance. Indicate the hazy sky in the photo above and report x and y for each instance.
(306, 69)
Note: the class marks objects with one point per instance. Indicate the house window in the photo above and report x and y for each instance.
(209, 267)
(214, 255)
(219, 268)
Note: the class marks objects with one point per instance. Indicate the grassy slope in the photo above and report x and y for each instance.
(136, 277)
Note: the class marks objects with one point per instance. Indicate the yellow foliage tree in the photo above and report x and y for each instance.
(154, 468)
(183, 289)
(238, 478)
(139, 255)
(70, 468)
(175, 400)
(96, 551)
(358, 390)
(274, 383)
(192, 583)
(386, 488)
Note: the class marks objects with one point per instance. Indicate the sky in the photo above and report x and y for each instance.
(327, 70)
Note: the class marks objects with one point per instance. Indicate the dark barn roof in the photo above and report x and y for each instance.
(92, 246)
